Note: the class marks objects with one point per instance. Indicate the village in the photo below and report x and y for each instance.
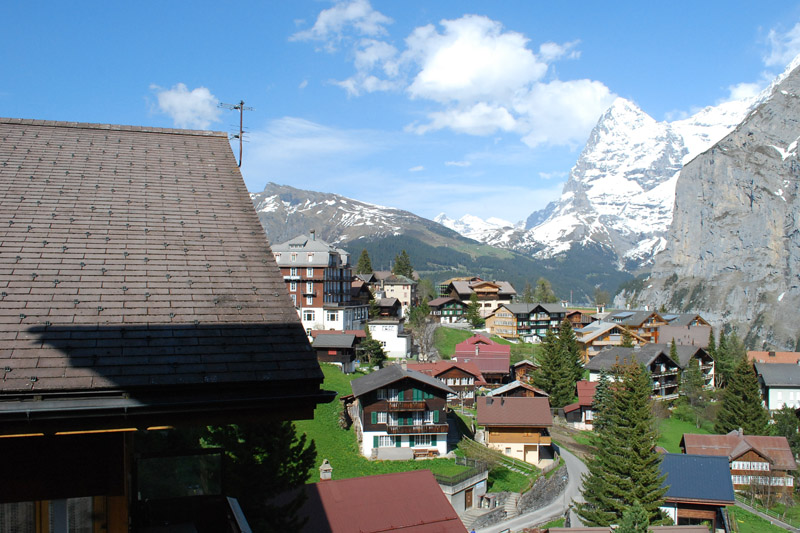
(155, 346)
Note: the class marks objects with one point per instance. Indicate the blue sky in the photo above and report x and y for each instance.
(457, 107)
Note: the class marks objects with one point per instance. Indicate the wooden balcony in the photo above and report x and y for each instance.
(415, 405)
(416, 430)
(515, 437)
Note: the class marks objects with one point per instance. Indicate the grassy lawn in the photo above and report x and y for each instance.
(672, 431)
(502, 479)
(339, 445)
(750, 523)
(584, 437)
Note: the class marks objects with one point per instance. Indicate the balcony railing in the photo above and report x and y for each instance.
(291, 278)
(416, 430)
(415, 405)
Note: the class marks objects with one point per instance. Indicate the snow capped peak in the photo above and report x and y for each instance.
(474, 227)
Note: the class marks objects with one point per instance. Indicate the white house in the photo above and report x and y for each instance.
(389, 332)
(780, 384)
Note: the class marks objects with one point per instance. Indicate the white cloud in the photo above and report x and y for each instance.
(303, 84)
(550, 51)
(418, 168)
(196, 109)
(480, 119)
(552, 175)
(783, 47)
(333, 24)
(462, 164)
(471, 60)
(743, 90)
(297, 139)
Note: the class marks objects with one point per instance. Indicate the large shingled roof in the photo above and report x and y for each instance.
(132, 258)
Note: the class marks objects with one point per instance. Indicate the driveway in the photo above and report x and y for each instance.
(555, 509)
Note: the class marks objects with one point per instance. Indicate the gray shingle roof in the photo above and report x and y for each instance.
(131, 257)
(697, 477)
(390, 374)
(343, 340)
(779, 374)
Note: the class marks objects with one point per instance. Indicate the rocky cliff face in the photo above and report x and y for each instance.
(733, 249)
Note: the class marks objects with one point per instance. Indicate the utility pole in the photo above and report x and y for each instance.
(241, 108)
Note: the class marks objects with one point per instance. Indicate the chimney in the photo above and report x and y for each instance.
(325, 471)
(313, 235)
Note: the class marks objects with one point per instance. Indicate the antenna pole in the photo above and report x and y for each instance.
(240, 107)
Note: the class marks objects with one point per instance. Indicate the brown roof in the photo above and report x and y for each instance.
(774, 357)
(407, 501)
(515, 411)
(440, 367)
(734, 445)
(132, 258)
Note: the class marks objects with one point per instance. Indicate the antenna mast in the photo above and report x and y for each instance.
(241, 108)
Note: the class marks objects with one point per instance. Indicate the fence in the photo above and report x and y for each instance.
(786, 520)
(476, 467)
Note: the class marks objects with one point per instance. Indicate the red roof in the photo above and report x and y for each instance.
(440, 367)
(484, 346)
(407, 501)
(734, 445)
(586, 390)
(774, 357)
(514, 411)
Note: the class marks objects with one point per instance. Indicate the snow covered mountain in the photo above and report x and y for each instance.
(621, 192)
(476, 228)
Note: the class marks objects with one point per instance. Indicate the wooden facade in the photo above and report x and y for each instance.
(752, 469)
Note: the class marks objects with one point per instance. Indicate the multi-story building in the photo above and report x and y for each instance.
(490, 294)
(646, 324)
(400, 413)
(527, 322)
(390, 332)
(318, 277)
(461, 377)
(518, 427)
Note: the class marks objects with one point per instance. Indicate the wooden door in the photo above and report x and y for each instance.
(468, 499)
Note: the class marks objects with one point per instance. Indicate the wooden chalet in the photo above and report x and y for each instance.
(600, 335)
(463, 378)
(518, 389)
(447, 310)
(527, 322)
(518, 427)
(492, 359)
(646, 324)
(753, 459)
(698, 489)
(523, 370)
(579, 414)
(337, 347)
(138, 292)
(490, 294)
(688, 329)
(664, 372)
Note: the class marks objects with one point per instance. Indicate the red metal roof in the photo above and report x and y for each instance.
(586, 390)
(440, 367)
(407, 501)
(735, 444)
(484, 346)
(774, 357)
(514, 411)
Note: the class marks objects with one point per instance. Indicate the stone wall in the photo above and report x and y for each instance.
(544, 491)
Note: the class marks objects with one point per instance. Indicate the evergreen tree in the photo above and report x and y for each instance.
(627, 338)
(603, 396)
(741, 403)
(634, 520)
(723, 362)
(544, 292)
(372, 350)
(556, 376)
(418, 315)
(364, 265)
(692, 383)
(426, 290)
(402, 265)
(626, 467)
(527, 294)
(786, 425)
(473, 311)
(569, 349)
(712, 345)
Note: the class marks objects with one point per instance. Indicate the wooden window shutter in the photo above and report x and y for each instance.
(433, 440)
(411, 441)
(374, 417)
(375, 441)
(436, 417)
(397, 442)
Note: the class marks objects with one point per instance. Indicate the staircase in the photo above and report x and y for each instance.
(470, 516)
(510, 506)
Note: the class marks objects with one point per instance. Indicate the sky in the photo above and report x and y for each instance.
(461, 107)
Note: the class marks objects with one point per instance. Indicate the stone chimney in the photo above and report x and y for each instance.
(313, 235)
(325, 471)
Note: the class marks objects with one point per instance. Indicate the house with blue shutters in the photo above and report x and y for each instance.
(400, 414)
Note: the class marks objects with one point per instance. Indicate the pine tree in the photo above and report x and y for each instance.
(627, 338)
(473, 311)
(544, 292)
(569, 349)
(556, 376)
(626, 467)
(712, 345)
(634, 520)
(402, 265)
(786, 425)
(527, 294)
(603, 396)
(372, 350)
(741, 403)
(364, 265)
(723, 362)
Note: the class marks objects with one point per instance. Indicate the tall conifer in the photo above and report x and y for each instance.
(741, 403)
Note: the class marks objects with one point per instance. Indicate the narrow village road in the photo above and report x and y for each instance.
(555, 509)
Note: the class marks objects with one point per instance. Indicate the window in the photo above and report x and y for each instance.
(308, 316)
(333, 316)
(293, 271)
(422, 440)
(394, 395)
(429, 417)
(293, 286)
(278, 256)
(309, 300)
(309, 272)
(294, 257)
(309, 287)
(382, 417)
(310, 257)
(417, 418)
(294, 299)
(382, 394)
(386, 441)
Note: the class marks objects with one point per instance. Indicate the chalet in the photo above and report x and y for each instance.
(397, 286)
(523, 370)
(780, 384)
(408, 501)
(138, 292)
(664, 372)
(389, 307)
(359, 292)
(518, 389)
(753, 458)
(579, 414)
(461, 377)
(447, 310)
(517, 427)
(688, 329)
(579, 318)
(338, 348)
(390, 332)
(527, 322)
(490, 294)
(646, 324)
(599, 335)
(491, 358)
(400, 413)
(699, 489)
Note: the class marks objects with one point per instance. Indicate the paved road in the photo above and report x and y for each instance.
(555, 509)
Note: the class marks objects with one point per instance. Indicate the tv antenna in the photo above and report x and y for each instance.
(241, 108)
